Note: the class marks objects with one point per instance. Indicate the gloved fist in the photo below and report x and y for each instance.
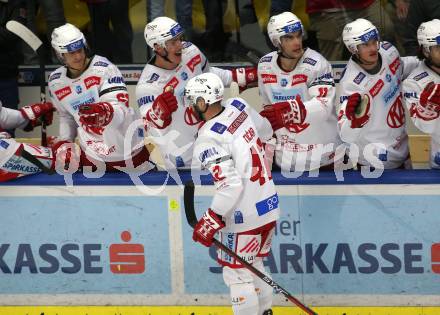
(285, 114)
(66, 153)
(94, 117)
(37, 113)
(163, 106)
(357, 109)
(206, 228)
(430, 97)
(245, 77)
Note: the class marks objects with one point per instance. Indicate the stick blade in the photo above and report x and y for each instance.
(188, 200)
(24, 33)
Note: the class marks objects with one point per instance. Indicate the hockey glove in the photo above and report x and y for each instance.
(285, 114)
(94, 117)
(65, 153)
(163, 106)
(245, 77)
(36, 113)
(206, 228)
(357, 109)
(430, 97)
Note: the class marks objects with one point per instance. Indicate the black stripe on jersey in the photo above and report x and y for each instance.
(112, 89)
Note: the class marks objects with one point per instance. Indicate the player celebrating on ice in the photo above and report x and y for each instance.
(13, 162)
(422, 87)
(297, 89)
(172, 126)
(92, 101)
(245, 206)
(371, 114)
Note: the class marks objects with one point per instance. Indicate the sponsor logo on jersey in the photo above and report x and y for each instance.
(17, 166)
(184, 76)
(210, 152)
(283, 82)
(395, 65)
(116, 80)
(269, 78)
(194, 62)
(91, 81)
(396, 114)
(62, 93)
(78, 89)
(238, 217)
(186, 44)
(100, 64)
(388, 77)
(267, 205)
(342, 98)
(173, 83)
(359, 78)
(389, 95)
(386, 45)
(421, 76)
(383, 155)
(298, 78)
(410, 94)
(266, 59)
(239, 105)
(218, 128)
(377, 88)
(145, 100)
(55, 76)
(4, 144)
(310, 61)
(237, 122)
(154, 77)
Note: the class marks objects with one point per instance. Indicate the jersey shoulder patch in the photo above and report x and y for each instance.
(238, 105)
(218, 128)
(186, 44)
(420, 76)
(54, 76)
(359, 78)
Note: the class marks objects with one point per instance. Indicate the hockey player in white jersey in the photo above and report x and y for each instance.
(244, 209)
(92, 101)
(14, 162)
(173, 128)
(297, 89)
(421, 90)
(371, 116)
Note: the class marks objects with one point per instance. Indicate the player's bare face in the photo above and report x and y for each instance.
(291, 45)
(76, 59)
(368, 52)
(434, 55)
(174, 48)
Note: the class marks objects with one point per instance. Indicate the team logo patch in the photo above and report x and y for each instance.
(388, 77)
(184, 76)
(298, 78)
(421, 76)
(269, 78)
(154, 77)
(78, 89)
(283, 82)
(377, 88)
(395, 65)
(218, 128)
(91, 81)
(100, 64)
(266, 59)
(62, 93)
(359, 78)
(239, 105)
(194, 62)
(396, 115)
(310, 61)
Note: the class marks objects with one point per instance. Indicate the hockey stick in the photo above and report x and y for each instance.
(35, 43)
(188, 200)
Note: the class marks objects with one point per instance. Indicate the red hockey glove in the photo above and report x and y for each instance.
(245, 77)
(357, 109)
(430, 97)
(206, 228)
(36, 113)
(163, 106)
(285, 114)
(94, 117)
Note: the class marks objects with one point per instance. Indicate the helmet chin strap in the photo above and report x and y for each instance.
(166, 55)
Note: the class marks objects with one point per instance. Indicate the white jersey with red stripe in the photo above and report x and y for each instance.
(100, 82)
(175, 141)
(313, 143)
(230, 147)
(11, 118)
(383, 139)
(426, 121)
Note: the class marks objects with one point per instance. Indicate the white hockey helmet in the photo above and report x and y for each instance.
(282, 24)
(160, 30)
(207, 86)
(428, 34)
(359, 32)
(67, 38)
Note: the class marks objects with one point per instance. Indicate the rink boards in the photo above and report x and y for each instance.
(357, 242)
